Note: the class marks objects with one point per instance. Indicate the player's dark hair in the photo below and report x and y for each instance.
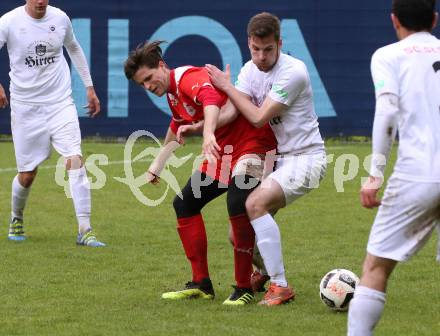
(264, 25)
(147, 54)
(415, 15)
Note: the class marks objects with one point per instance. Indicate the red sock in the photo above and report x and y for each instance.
(193, 236)
(244, 239)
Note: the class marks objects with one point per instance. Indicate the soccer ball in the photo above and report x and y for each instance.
(337, 288)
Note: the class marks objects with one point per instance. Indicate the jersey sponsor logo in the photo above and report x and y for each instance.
(36, 51)
(37, 61)
(276, 121)
(420, 49)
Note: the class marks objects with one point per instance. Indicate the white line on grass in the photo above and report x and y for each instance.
(110, 163)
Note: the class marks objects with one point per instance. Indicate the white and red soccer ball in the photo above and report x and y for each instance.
(337, 288)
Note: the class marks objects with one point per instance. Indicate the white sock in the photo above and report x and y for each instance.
(268, 239)
(364, 311)
(18, 198)
(80, 190)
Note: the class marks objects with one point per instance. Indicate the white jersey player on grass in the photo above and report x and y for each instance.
(406, 76)
(275, 87)
(42, 109)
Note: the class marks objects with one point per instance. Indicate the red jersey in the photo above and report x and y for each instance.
(186, 103)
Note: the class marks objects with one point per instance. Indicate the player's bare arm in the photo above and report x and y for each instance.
(258, 116)
(170, 144)
(228, 113)
(3, 97)
(210, 146)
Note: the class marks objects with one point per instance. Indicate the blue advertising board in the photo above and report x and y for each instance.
(334, 38)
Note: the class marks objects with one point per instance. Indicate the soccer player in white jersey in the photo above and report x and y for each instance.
(406, 76)
(42, 109)
(275, 87)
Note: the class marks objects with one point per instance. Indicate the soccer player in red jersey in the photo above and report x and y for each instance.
(231, 166)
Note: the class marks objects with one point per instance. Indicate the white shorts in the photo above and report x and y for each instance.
(35, 128)
(409, 213)
(299, 174)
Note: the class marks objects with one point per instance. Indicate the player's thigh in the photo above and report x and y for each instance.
(298, 175)
(64, 129)
(406, 219)
(30, 135)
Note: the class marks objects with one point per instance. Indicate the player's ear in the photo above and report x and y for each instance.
(395, 21)
(434, 23)
(280, 44)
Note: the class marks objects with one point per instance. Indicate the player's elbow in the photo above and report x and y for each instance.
(259, 122)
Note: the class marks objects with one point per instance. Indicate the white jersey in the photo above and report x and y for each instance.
(288, 83)
(410, 69)
(39, 71)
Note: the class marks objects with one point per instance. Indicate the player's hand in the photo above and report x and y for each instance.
(3, 98)
(220, 79)
(93, 106)
(368, 193)
(152, 178)
(210, 148)
(183, 131)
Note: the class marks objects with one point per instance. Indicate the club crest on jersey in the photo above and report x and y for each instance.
(40, 49)
(189, 109)
(52, 28)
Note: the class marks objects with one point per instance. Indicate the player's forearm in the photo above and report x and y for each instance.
(246, 107)
(79, 60)
(211, 113)
(170, 136)
(384, 132)
(228, 114)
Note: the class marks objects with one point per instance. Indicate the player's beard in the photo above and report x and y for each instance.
(270, 67)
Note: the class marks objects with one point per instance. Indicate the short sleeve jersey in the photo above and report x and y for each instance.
(185, 85)
(297, 129)
(410, 69)
(39, 72)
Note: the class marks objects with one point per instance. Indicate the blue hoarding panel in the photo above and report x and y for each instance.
(334, 38)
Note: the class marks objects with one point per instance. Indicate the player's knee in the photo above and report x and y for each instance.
(179, 206)
(376, 271)
(237, 195)
(255, 207)
(184, 208)
(26, 179)
(236, 203)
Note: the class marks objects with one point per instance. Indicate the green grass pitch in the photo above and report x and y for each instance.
(50, 286)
